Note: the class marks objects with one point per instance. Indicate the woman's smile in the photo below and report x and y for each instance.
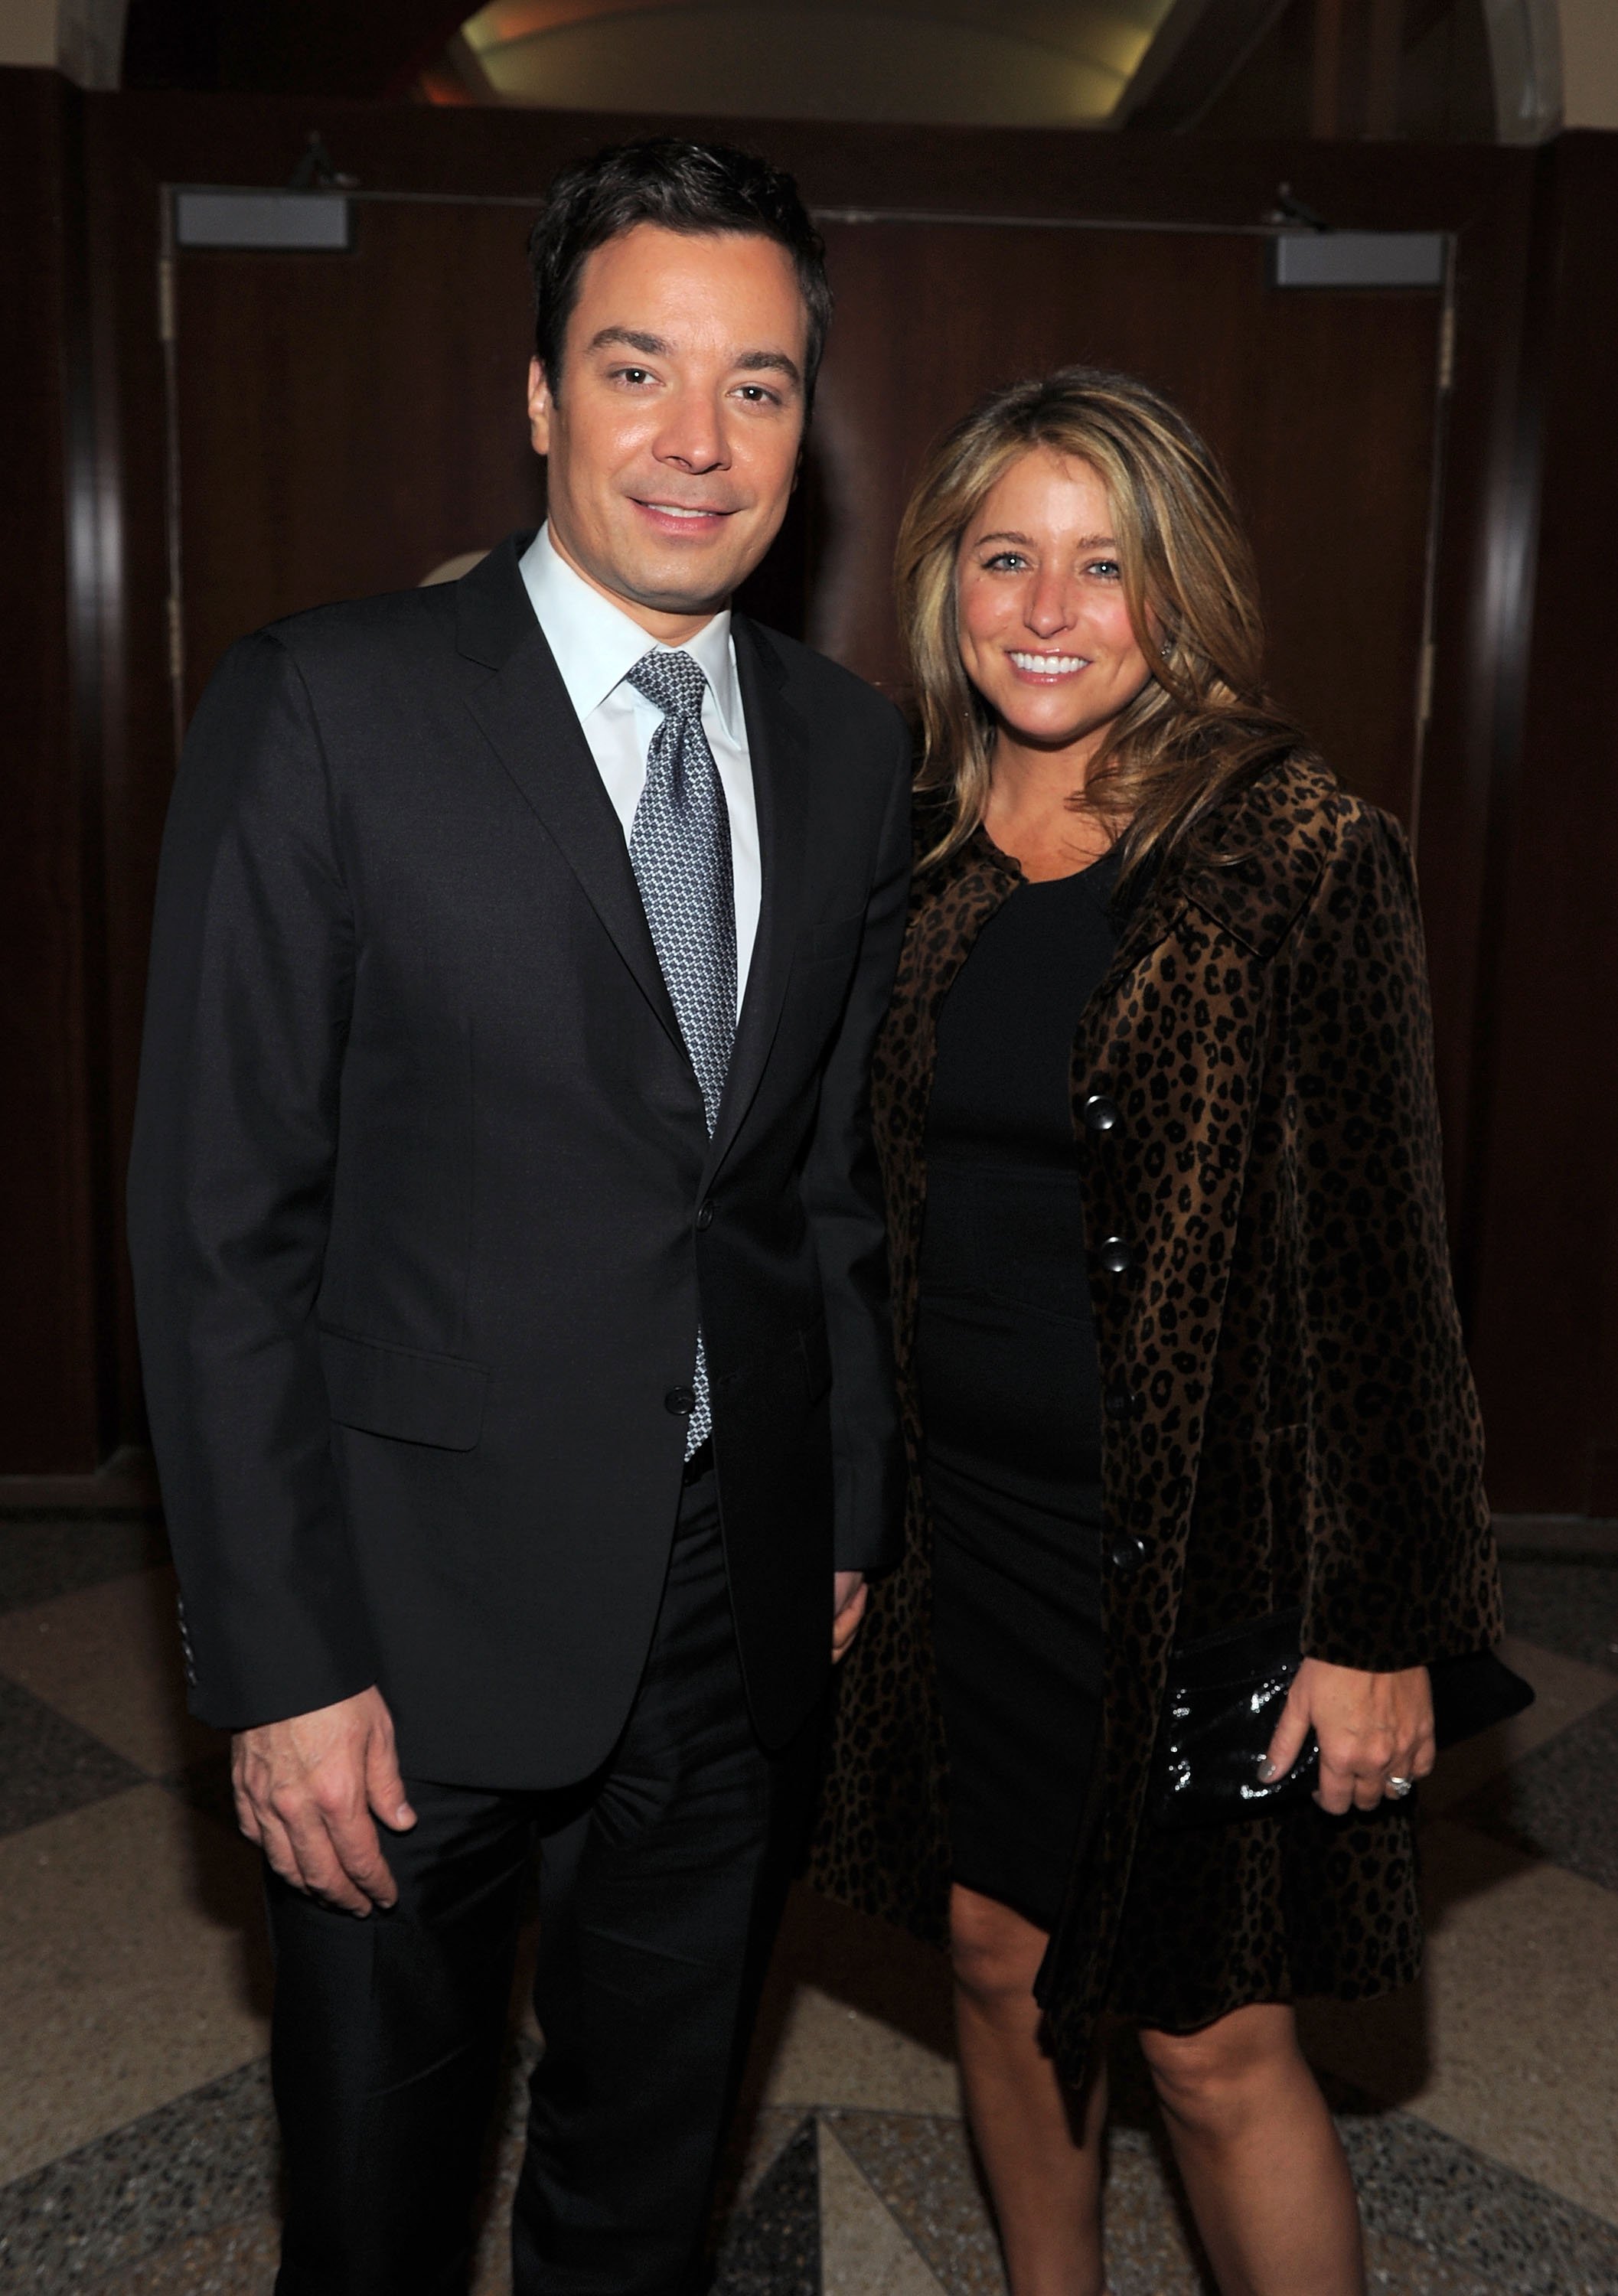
(1046, 668)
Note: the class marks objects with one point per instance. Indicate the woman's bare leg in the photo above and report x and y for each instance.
(1040, 2145)
(1263, 2166)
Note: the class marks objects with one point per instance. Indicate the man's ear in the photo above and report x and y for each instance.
(538, 407)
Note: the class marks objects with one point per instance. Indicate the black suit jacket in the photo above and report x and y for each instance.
(423, 1210)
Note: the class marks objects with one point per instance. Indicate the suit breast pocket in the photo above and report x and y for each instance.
(836, 943)
(400, 1392)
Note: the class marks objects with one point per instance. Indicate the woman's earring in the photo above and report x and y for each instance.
(1166, 648)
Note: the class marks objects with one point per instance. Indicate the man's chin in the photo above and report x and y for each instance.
(682, 583)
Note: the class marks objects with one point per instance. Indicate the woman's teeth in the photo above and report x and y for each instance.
(1050, 665)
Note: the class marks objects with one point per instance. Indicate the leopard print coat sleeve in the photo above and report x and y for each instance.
(1289, 1418)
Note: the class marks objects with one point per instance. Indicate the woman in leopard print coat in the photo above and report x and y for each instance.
(1289, 1418)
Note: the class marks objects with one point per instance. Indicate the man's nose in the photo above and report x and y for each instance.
(692, 438)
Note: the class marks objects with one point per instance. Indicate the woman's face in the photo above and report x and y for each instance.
(1044, 634)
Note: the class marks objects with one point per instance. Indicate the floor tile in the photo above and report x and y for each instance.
(1560, 1802)
(1510, 2040)
(856, 2012)
(109, 1658)
(49, 1766)
(132, 1969)
(1572, 1607)
(38, 1560)
(236, 2259)
(1581, 1536)
(166, 2184)
(862, 2250)
(773, 2245)
(1496, 2229)
(920, 2166)
(1566, 1690)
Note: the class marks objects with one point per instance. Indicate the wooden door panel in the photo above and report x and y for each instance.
(346, 422)
(1322, 406)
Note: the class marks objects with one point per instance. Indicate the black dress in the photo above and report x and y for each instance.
(1011, 1393)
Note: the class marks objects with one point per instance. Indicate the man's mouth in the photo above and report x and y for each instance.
(683, 514)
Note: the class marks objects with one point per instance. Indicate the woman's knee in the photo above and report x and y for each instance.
(996, 1954)
(1222, 2074)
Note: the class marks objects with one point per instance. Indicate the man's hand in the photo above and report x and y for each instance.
(1371, 1727)
(848, 1609)
(306, 1789)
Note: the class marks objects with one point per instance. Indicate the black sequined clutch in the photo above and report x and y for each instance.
(1224, 1699)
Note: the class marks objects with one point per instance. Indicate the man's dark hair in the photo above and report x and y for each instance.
(690, 187)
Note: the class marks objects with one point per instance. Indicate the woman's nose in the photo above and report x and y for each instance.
(1050, 607)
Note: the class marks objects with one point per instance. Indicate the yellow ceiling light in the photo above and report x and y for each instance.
(1024, 62)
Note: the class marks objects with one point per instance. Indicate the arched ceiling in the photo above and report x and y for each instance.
(1021, 62)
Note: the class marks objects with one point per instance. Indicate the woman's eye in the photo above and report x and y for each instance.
(1005, 562)
(1109, 570)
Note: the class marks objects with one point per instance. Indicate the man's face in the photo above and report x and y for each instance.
(673, 443)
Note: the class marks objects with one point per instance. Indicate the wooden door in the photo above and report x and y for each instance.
(1322, 404)
(342, 423)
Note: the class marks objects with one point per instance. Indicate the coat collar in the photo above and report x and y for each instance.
(524, 711)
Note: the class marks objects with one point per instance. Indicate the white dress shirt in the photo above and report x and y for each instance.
(595, 646)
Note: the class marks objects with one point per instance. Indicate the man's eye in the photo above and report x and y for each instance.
(633, 373)
(756, 394)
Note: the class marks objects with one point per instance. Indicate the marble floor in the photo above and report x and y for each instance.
(138, 2154)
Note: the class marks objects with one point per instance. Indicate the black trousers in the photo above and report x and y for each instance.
(661, 1878)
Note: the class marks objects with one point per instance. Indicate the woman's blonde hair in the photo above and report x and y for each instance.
(1203, 723)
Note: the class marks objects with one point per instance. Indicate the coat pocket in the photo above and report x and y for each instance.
(413, 1397)
(838, 942)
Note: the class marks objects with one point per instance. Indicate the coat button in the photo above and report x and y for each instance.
(680, 1401)
(1127, 1554)
(1100, 1114)
(1120, 1402)
(704, 1212)
(1117, 1254)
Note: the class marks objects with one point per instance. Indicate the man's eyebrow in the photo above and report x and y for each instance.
(777, 362)
(632, 339)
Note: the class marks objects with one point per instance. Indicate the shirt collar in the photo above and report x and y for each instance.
(596, 644)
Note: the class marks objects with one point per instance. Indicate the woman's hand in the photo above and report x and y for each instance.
(1372, 1728)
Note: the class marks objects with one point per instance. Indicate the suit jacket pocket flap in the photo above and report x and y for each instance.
(415, 1398)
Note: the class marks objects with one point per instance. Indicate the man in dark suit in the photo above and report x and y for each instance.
(511, 1272)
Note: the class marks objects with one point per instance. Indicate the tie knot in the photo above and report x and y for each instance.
(673, 681)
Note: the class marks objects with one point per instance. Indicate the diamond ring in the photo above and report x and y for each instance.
(1398, 1788)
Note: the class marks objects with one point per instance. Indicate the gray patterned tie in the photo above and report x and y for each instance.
(679, 849)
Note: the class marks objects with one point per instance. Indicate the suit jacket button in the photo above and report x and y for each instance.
(1127, 1554)
(1117, 1254)
(680, 1401)
(704, 1212)
(1100, 1114)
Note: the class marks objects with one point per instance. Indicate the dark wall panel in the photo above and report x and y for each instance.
(1545, 1339)
(49, 1322)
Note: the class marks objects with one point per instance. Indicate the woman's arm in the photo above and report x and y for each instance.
(1401, 1566)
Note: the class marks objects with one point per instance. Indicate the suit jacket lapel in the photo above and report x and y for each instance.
(776, 741)
(526, 715)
